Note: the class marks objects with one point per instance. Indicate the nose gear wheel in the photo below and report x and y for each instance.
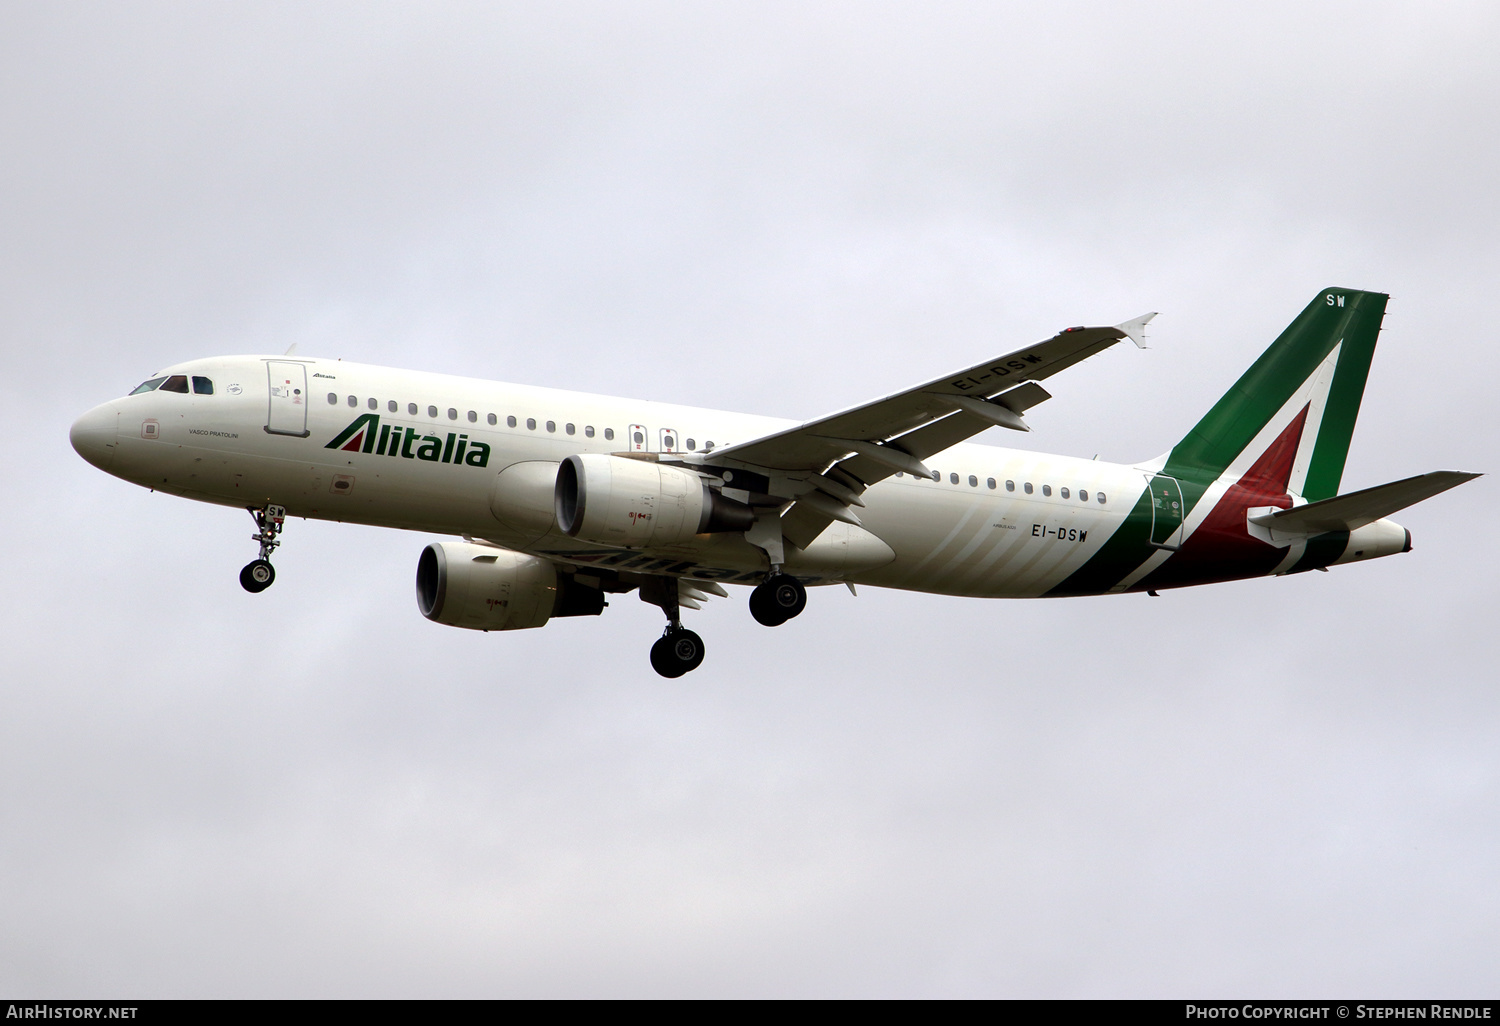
(257, 576)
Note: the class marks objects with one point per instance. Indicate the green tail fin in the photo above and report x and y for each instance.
(1296, 366)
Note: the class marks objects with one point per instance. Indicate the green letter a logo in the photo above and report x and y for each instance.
(358, 436)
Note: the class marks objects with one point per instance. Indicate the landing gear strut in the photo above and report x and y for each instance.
(259, 574)
(777, 599)
(678, 650)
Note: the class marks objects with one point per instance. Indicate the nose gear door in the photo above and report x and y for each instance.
(287, 413)
(1166, 512)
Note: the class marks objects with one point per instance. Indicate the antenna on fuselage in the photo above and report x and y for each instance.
(290, 350)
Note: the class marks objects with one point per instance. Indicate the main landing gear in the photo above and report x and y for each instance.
(678, 650)
(773, 602)
(259, 574)
(777, 599)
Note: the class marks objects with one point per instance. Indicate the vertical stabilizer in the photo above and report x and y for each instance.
(1318, 364)
(1281, 431)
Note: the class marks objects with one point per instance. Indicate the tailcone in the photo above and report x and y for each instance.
(1381, 538)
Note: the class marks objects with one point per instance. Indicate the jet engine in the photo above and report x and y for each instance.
(492, 589)
(611, 500)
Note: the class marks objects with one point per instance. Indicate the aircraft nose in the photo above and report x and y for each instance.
(94, 436)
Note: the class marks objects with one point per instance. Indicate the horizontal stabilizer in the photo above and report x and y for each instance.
(1355, 510)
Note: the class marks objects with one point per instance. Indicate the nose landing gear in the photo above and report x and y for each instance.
(259, 574)
(777, 599)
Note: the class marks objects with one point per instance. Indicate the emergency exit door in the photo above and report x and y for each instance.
(287, 413)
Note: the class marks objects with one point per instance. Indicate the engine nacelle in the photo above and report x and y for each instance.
(637, 504)
(492, 589)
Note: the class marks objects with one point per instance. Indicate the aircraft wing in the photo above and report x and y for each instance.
(815, 444)
(847, 451)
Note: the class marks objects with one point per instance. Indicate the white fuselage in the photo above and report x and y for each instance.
(999, 522)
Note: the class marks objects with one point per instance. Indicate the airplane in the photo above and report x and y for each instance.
(554, 500)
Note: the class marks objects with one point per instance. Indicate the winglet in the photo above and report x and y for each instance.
(1135, 329)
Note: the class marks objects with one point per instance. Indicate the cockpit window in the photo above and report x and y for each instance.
(202, 386)
(176, 383)
(148, 386)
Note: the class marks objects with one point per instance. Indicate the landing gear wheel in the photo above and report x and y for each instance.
(257, 576)
(762, 609)
(777, 599)
(677, 652)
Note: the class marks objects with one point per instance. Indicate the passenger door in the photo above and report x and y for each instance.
(287, 413)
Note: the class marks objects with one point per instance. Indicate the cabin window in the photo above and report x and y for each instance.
(1100, 497)
(373, 403)
(569, 428)
(530, 423)
(707, 446)
(953, 478)
(551, 425)
(936, 476)
(473, 417)
(432, 411)
(176, 383)
(490, 420)
(973, 481)
(692, 444)
(1083, 495)
(638, 438)
(411, 408)
(510, 422)
(333, 399)
(990, 483)
(391, 406)
(202, 386)
(588, 431)
(1047, 490)
(147, 386)
(353, 402)
(1027, 487)
(452, 413)
(1064, 493)
(609, 434)
(1010, 486)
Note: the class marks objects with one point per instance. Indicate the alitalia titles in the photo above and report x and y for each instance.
(366, 434)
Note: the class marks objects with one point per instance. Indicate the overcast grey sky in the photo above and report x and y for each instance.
(1279, 787)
